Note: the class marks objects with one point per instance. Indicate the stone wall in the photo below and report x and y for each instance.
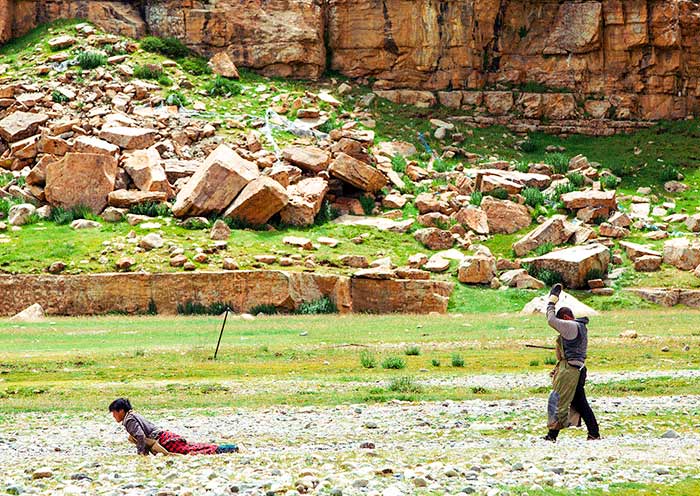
(242, 290)
(624, 59)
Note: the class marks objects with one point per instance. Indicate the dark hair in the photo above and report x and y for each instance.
(120, 404)
(565, 312)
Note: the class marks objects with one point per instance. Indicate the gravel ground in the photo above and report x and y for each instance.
(482, 447)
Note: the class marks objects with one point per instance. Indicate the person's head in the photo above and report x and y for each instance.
(119, 408)
(565, 313)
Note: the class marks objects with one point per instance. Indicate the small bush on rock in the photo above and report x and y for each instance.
(533, 197)
(197, 66)
(475, 198)
(608, 182)
(398, 163)
(151, 209)
(576, 178)
(220, 86)
(148, 71)
(558, 161)
(435, 362)
(91, 60)
(367, 203)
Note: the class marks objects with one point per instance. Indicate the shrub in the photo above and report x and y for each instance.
(668, 173)
(6, 178)
(164, 80)
(594, 274)
(148, 71)
(367, 203)
(58, 97)
(398, 163)
(528, 146)
(558, 161)
(533, 197)
(499, 193)
(176, 98)
(62, 216)
(220, 86)
(440, 165)
(368, 360)
(329, 125)
(316, 307)
(326, 214)
(561, 189)
(170, 47)
(576, 178)
(522, 166)
(549, 277)
(195, 308)
(534, 363)
(543, 249)
(151, 209)
(393, 362)
(435, 362)
(457, 360)
(197, 66)
(152, 308)
(91, 60)
(550, 360)
(476, 197)
(405, 385)
(412, 351)
(608, 182)
(479, 390)
(264, 308)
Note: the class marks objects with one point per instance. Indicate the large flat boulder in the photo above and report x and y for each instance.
(20, 125)
(93, 144)
(260, 199)
(305, 201)
(215, 184)
(682, 253)
(308, 158)
(129, 138)
(555, 230)
(635, 251)
(574, 264)
(505, 216)
(123, 198)
(434, 238)
(81, 179)
(477, 269)
(473, 218)
(146, 171)
(356, 173)
(512, 181)
(539, 306)
(593, 199)
(381, 223)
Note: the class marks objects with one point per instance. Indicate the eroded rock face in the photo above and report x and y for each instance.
(575, 265)
(81, 179)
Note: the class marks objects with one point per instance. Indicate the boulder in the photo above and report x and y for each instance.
(33, 313)
(437, 264)
(93, 144)
(299, 242)
(123, 198)
(693, 223)
(434, 238)
(129, 138)
(477, 269)
(19, 215)
(354, 261)
(146, 172)
(260, 199)
(513, 181)
(20, 125)
(634, 250)
(538, 305)
(682, 253)
(308, 158)
(151, 241)
(519, 278)
(647, 263)
(220, 231)
(574, 264)
(555, 230)
(505, 216)
(215, 184)
(581, 199)
(305, 201)
(607, 230)
(473, 218)
(79, 224)
(222, 65)
(356, 173)
(81, 179)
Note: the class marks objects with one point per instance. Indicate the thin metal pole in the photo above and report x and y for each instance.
(221, 333)
(539, 347)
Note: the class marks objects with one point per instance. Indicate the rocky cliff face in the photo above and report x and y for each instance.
(640, 58)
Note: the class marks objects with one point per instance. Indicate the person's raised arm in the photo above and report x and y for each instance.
(567, 328)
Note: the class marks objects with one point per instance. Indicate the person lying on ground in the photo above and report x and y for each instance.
(150, 439)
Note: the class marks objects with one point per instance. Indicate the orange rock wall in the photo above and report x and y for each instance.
(242, 290)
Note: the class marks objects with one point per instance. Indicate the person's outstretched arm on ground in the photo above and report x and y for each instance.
(567, 328)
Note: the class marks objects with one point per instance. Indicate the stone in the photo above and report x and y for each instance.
(215, 184)
(504, 216)
(308, 158)
(33, 313)
(670, 434)
(78, 224)
(635, 250)
(61, 42)
(258, 202)
(229, 264)
(581, 199)
(555, 230)
(538, 305)
(477, 269)
(81, 179)
(356, 173)
(326, 241)
(305, 201)
(42, 473)
(125, 263)
(20, 214)
(629, 334)
(354, 261)
(21, 125)
(609, 231)
(417, 260)
(146, 172)
(682, 253)
(220, 231)
(56, 268)
(151, 241)
(675, 187)
(122, 198)
(129, 138)
(647, 263)
(222, 65)
(693, 223)
(393, 148)
(434, 238)
(473, 218)
(394, 201)
(574, 264)
(437, 264)
(299, 242)
(383, 224)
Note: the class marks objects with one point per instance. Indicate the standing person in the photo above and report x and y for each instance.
(150, 439)
(567, 403)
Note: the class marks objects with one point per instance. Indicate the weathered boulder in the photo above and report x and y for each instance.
(434, 238)
(634, 250)
(647, 263)
(151, 241)
(505, 216)
(222, 65)
(682, 253)
(220, 231)
(146, 172)
(215, 184)
(81, 179)
(477, 269)
(473, 218)
(607, 230)
(260, 199)
(93, 144)
(511, 181)
(305, 201)
(538, 305)
(123, 198)
(20, 125)
(19, 215)
(581, 199)
(575, 264)
(519, 278)
(307, 158)
(555, 230)
(359, 174)
(693, 223)
(129, 138)
(33, 313)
